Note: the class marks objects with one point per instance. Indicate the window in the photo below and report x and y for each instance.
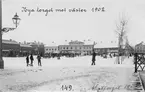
(71, 48)
(63, 47)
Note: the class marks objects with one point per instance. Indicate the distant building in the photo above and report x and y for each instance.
(109, 47)
(25, 49)
(37, 48)
(140, 48)
(10, 47)
(128, 49)
(13, 48)
(76, 47)
(51, 49)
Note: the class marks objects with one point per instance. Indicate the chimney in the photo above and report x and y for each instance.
(24, 42)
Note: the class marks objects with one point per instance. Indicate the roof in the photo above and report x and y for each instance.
(76, 42)
(89, 42)
(34, 43)
(106, 45)
(9, 42)
(51, 45)
(77, 45)
(25, 45)
(141, 43)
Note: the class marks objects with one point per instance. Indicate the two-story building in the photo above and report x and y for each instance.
(140, 48)
(76, 47)
(51, 49)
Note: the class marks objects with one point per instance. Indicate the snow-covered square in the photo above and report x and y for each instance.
(67, 74)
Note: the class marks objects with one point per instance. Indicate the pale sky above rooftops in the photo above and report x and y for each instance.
(58, 27)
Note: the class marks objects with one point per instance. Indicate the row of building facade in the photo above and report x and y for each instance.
(72, 47)
(86, 49)
(14, 48)
(80, 48)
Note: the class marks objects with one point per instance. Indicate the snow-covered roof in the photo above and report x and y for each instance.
(25, 45)
(65, 43)
(51, 44)
(89, 42)
(9, 42)
(34, 43)
(141, 43)
(106, 45)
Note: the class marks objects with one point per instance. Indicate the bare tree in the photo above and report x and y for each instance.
(121, 30)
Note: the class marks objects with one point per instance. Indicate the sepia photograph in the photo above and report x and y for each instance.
(72, 46)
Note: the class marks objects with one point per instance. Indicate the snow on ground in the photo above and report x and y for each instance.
(64, 62)
(76, 73)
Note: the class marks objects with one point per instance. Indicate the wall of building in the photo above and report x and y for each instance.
(106, 50)
(140, 48)
(10, 48)
(51, 49)
(13, 48)
(38, 48)
(80, 49)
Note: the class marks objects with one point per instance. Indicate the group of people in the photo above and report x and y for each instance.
(32, 59)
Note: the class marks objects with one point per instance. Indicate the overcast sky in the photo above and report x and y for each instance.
(58, 27)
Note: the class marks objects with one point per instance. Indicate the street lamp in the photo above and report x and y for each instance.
(16, 21)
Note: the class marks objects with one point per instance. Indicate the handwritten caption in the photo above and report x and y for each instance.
(98, 88)
(46, 11)
(66, 88)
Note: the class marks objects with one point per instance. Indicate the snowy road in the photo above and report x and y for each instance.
(67, 74)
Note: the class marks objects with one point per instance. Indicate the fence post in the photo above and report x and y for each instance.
(135, 62)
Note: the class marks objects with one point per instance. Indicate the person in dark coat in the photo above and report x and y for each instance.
(39, 60)
(27, 60)
(93, 58)
(32, 59)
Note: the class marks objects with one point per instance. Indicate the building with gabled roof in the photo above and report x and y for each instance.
(140, 48)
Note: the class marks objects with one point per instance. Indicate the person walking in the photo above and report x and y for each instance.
(32, 59)
(39, 60)
(27, 60)
(93, 58)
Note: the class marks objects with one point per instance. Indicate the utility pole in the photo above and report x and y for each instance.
(1, 59)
